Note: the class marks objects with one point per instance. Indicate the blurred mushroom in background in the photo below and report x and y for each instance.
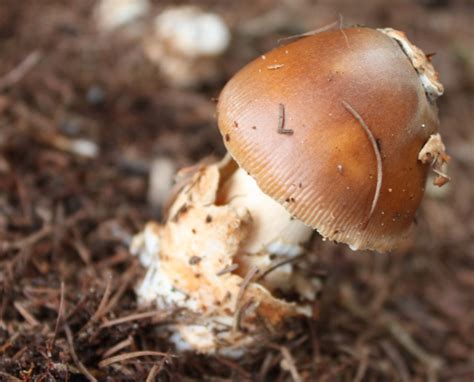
(161, 178)
(113, 14)
(186, 43)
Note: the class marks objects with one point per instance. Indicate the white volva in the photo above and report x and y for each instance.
(219, 232)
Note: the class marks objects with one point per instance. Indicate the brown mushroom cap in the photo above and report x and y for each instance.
(358, 116)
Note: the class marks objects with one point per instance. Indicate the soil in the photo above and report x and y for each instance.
(65, 218)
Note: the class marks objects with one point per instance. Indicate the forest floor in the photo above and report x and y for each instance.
(66, 273)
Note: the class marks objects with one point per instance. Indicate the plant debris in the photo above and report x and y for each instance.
(281, 121)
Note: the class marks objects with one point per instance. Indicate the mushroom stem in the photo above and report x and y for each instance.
(274, 230)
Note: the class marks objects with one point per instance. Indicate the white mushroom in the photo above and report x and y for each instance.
(113, 14)
(185, 43)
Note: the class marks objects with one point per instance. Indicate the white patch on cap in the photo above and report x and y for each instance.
(424, 68)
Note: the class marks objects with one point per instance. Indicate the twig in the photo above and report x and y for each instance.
(126, 356)
(124, 283)
(311, 33)
(235, 366)
(341, 28)
(243, 287)
(289, 364)
(74, 356)
(362, 368)
(132, 317)
(245, 282)
(278, 264)
(60, 315)
(25, 314)
(393, 327)
(281, 121)
(378, 157)
(119, 346)
(43, 232)
(20, 70)
(228, 269)
(154, 371)
(247, 308)
(397, 361)
(103, 302)
(406, 340)
(266, 365)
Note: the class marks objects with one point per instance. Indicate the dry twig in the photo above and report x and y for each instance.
(103, 302)
(288, 363)
(134, 317)
(44, 232)
(20, 70)
(60, 315)
(230, 268)
(278, 264)
(378, 156)
(25, 314)
(126, 356)
(390, 324)
(119, 346)
(74, 356)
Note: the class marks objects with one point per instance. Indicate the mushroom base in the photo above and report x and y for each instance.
(206, 262)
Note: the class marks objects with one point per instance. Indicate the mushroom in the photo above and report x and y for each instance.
(113, 14)
(332, 133)
(330, 127)
(186, 43)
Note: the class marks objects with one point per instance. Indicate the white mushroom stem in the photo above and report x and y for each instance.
(274, 229)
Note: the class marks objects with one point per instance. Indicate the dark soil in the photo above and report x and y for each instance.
(65, 270)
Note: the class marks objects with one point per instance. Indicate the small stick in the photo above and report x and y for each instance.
(243, 286)
(228, 269)
(341, 28)
(119, 346)
(154, 371)
(43, 232)
(281, 121)
(242, 311)
(362, 368)
(278, 264)
(103, 302)
(245, 282)
(378, 157)
(60, 315)
(236, 367)
(25, 314)
(21, 70)
(390, 324)
(124, 284)
(74, 356)
(311, 33)
(131, 317)
(397, 361)
(126, 356)
(290, 364)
